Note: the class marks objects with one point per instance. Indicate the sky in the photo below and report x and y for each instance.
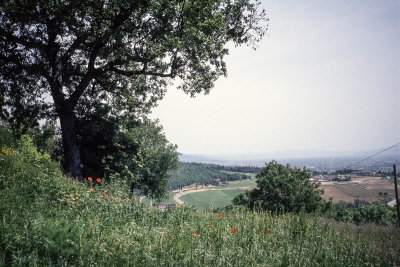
(325, 77)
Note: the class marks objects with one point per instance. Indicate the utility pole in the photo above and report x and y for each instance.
(397, 196)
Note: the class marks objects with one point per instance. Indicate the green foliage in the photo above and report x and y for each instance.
(244, 169)
(6, 137)
(282, 188)
(122, 54)
(157, 158)
(201, 174)
(22, 107)
(21, 168)
(76, 227)
(136, 151)
(364, 213)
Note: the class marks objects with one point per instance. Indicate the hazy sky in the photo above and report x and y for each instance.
(325, 77)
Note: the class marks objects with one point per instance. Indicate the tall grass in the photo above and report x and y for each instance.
(48, 219)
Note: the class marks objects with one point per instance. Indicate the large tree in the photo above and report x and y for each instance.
(124, 51)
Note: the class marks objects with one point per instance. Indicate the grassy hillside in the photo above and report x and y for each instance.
(48, 219)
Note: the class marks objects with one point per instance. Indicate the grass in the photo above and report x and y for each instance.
(48, 219)
(213, 199)
(219, 200)
(168, 200)
(241, 183)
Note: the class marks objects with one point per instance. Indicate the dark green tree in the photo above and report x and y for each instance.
(125, 52)
(282, 189)
(134, 150)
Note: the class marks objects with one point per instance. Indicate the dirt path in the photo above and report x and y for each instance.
(185, 192)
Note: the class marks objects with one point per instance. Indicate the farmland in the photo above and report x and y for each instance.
(204, 185)
(363, 188)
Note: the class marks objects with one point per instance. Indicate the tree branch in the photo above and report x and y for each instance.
(27, 42)
(90, 74)
(78, 41)
(142, 72)
(32, 69)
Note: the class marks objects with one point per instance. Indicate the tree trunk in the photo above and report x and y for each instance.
(72, 155)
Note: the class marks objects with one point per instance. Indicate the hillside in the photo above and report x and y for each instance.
(49, 219)
(206, 174)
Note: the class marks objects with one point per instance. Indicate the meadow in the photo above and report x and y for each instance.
(49, 219)
(213, 199)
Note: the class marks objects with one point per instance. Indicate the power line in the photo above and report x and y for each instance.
(372, 156)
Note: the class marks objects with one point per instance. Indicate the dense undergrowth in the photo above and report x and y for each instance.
(49, 219)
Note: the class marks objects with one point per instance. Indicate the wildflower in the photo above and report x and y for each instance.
(91, 190)
(195, 235)
(268, 232)
(90, 178)
(8, 151)
(209, 226)
(98, 180)
(172, 237)
(187, 226)
(104, 194)
(220, 215)
(234, 230)
(164, 233)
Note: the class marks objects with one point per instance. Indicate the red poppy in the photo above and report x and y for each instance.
(164, 233)
(91, 190)
(195, 235)
(220, 215)
(90, 178)
(98, 180)
(268, 232)
(104, 194)
(234, 230)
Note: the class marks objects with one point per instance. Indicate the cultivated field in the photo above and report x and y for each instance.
(364, 188)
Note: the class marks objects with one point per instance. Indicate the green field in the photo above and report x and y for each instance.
(240, 183)
(203, 200)
(210, 199)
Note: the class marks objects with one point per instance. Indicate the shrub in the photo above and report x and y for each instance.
(282, 188)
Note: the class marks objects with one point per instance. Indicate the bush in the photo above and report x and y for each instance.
(6, 137)
(364, 213)
(282, 189)
(26, 171)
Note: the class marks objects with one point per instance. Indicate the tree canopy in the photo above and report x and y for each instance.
(282, 189)
(121, 52)
(203, 174)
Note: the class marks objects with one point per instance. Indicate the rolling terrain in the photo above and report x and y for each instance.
(362, 188)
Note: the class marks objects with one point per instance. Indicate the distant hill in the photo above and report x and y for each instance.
(312, 159)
